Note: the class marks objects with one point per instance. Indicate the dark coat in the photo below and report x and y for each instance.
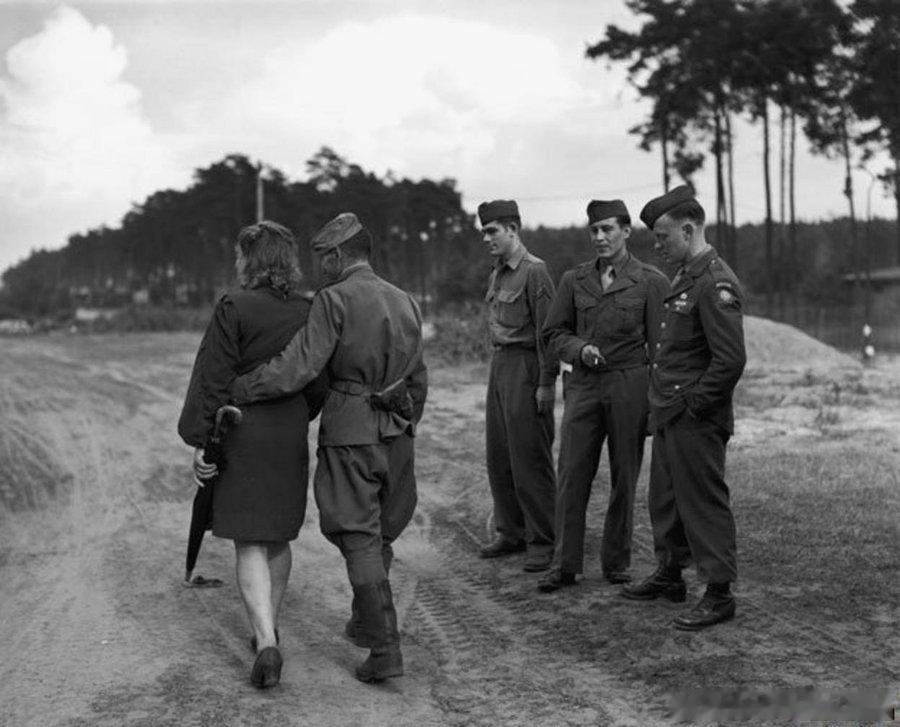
(260, 494)
(701, 352)
(247, 328)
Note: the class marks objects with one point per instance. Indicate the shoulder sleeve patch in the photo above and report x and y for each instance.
(726, 293)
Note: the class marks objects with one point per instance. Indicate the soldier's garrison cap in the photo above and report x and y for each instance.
(658, 206)
(603, 209)
(336, 232)
(490, 211)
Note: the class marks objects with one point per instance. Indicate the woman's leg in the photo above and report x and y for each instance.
(279, 555)
(255, 584)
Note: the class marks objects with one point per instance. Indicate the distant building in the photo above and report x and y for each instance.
(14, 327)
(884, 306)
(880, 278)
(89, 315)
(885, 287)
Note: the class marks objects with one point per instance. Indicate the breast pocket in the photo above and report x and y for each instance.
(510, 309)
(629, 314)
(684, 327)
(586, 314)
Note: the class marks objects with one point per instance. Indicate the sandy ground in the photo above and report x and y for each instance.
(97, 629)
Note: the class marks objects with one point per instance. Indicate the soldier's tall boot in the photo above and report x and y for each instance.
(379, 622)
(353, 629)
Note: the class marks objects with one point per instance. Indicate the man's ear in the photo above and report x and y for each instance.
(687, 229)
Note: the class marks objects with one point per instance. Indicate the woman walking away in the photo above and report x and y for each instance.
(259, 498)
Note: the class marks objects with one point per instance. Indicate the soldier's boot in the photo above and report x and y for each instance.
(379, 622)
(666, 581)
(353, 629)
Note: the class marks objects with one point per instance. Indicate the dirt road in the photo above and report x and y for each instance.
(97, 629)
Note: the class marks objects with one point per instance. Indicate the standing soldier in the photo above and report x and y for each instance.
(520, 395)
(697, 365)
(604, 321)
(367, 335)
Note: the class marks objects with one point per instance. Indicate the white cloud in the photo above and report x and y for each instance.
(75, 149)
(420, 94)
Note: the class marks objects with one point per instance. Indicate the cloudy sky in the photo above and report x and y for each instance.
(103, 103)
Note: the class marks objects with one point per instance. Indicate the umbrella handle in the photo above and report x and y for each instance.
(224, 413)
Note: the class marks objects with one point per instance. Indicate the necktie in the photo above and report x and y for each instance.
(678, 275)
(607, 275)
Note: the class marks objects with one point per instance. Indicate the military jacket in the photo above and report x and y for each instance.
(700, 353)
(623, 321)
(366, 334)
(518, 297)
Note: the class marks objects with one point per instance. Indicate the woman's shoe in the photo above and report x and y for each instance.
(266, 670)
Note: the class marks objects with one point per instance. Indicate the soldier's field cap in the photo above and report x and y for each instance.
(336, 232)
(658, 206)
(603, 209)
(490, 211)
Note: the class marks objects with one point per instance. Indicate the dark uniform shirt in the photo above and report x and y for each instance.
(623, 321)
(518, 297)
(700, 353)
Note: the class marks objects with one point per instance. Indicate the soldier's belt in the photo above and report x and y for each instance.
(351, 388)
(393, 398)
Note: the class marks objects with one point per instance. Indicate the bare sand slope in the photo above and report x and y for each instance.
(773, 346)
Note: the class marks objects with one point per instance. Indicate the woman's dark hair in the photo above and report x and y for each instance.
(267, 256)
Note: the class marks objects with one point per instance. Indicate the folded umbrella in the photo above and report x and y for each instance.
(201, 511)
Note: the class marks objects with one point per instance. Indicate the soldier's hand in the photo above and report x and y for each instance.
(545, 396)
(591, 357)
(202, 469)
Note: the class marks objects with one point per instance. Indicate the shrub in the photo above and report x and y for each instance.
(459, 337)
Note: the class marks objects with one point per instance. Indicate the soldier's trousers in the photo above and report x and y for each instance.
(366, 496)
(519, 451)
(689, 500)
(599, 406)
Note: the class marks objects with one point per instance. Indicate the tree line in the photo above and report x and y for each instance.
(177, 247)
(831, 68)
